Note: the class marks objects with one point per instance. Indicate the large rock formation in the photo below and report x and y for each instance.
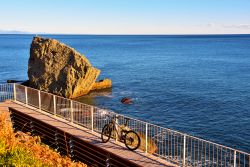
(59, 69)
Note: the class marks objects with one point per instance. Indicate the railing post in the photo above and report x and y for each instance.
(39, 100)
(71, 112)
(26, 96)
(107, 161)
(235, 158)
(92, 118)
(56, 142)
(14, 91)
(71, 148)
(146, 138)
(54, 102)
(184, 150)
(116, 127)
(32, 130)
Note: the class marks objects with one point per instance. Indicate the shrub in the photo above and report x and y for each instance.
(152, 148)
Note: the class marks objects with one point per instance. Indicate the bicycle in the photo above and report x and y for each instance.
(130, 138)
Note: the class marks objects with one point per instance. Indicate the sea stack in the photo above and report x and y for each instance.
(59, 69)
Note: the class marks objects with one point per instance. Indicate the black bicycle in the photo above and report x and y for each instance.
(123, 132)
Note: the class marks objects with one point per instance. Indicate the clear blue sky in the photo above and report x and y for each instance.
(126, 16)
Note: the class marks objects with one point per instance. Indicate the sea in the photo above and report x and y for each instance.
(195, 84)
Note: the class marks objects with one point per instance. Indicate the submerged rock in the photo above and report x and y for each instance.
(59, 69)
(126, 100)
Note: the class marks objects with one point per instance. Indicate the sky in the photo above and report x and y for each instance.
(126, 16)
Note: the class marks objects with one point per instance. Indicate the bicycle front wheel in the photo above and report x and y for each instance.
(132, 140)
(106, 133)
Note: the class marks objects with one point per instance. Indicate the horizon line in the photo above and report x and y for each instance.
(121, 34)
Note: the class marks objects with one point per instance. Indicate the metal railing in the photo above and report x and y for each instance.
(173, 146)
(6, 92)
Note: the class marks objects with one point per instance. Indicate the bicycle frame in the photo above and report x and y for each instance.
(117, 128)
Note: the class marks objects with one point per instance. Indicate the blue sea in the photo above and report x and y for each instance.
(197, 84)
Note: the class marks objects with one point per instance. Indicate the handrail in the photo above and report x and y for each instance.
(163, 142)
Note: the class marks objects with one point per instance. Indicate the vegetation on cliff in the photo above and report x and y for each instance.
(20, 149)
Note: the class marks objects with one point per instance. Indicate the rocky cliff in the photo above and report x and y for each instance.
(59, 69)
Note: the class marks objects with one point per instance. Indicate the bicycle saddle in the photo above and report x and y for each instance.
(127, 119)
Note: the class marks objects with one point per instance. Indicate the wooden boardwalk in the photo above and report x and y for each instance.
(138, 157)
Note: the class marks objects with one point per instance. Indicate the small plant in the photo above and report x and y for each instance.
(152, 148)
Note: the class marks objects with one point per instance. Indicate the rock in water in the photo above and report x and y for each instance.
(102, 84)
(126, 100)
(59, 69)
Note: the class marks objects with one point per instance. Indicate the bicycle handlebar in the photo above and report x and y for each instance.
(117, 116)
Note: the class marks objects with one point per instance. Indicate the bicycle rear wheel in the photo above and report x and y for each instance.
(132, 140)
(106, 133)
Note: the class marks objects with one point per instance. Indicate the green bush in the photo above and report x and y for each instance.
(17, 157)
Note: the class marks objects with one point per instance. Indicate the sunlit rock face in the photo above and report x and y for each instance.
(59, 69)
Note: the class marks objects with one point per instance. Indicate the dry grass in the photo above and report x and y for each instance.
(152, 148)
(20, 149)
